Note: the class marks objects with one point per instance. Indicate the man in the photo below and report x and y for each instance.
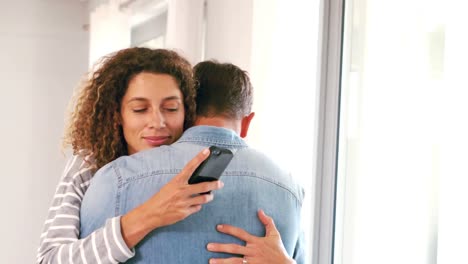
(251, 181)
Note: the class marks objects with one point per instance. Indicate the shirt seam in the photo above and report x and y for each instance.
(119, 190)
(211, 141)
(228, 173)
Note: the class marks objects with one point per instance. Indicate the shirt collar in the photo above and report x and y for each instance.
(211, 135)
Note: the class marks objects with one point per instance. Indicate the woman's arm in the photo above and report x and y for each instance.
(268, 249)
(59, 241)
(174, 202)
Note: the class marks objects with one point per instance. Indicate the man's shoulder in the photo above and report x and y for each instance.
(158, 155)
(103, 175)
(255, 158)
(265, 167)
(161, 159)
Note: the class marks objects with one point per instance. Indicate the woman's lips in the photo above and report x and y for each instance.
(157, 140)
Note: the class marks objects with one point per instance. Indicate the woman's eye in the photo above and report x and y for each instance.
(172, 109)
(139, 110)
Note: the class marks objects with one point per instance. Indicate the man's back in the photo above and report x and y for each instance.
(252, 182)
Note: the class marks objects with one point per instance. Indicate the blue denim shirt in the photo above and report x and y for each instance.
(251, 182)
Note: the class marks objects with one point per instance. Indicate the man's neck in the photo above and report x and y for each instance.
(219, 121)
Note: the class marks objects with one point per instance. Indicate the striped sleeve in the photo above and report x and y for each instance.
(60, 243)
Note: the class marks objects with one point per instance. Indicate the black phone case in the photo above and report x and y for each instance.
(212, 168)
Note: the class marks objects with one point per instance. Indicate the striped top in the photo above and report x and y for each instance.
(59, 242)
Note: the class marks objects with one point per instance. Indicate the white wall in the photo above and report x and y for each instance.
(229, 31)
(44, 52)
(109, 30)
(452, 130)
(184, 31)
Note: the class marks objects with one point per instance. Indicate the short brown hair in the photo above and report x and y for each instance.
(94, 124)
(222, 89)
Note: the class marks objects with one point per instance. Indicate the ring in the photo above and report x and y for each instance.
(244, 261)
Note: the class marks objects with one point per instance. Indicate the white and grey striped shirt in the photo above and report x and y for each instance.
(60, 241)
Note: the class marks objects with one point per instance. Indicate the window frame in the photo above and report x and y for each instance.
(329, 82)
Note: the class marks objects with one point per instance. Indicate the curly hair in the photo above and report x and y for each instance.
(94, 125)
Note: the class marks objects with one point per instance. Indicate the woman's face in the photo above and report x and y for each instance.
(152, 112)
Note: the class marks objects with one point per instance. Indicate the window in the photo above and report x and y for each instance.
(398, 195)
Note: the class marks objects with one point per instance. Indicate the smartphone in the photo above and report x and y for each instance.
(212, 168)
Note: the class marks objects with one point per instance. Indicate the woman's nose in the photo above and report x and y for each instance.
(157, 120)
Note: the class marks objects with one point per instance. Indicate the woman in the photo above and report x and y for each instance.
(138, 99)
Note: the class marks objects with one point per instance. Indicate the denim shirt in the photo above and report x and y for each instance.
(252, 181)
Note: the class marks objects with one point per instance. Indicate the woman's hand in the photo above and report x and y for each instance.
(174, 202)
(268, 249)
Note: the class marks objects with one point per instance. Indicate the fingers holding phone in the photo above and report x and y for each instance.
(177, 199)
(212, 167)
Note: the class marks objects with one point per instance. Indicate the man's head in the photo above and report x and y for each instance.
(224, 92)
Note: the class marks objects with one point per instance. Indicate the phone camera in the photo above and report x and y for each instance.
(216, 152)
